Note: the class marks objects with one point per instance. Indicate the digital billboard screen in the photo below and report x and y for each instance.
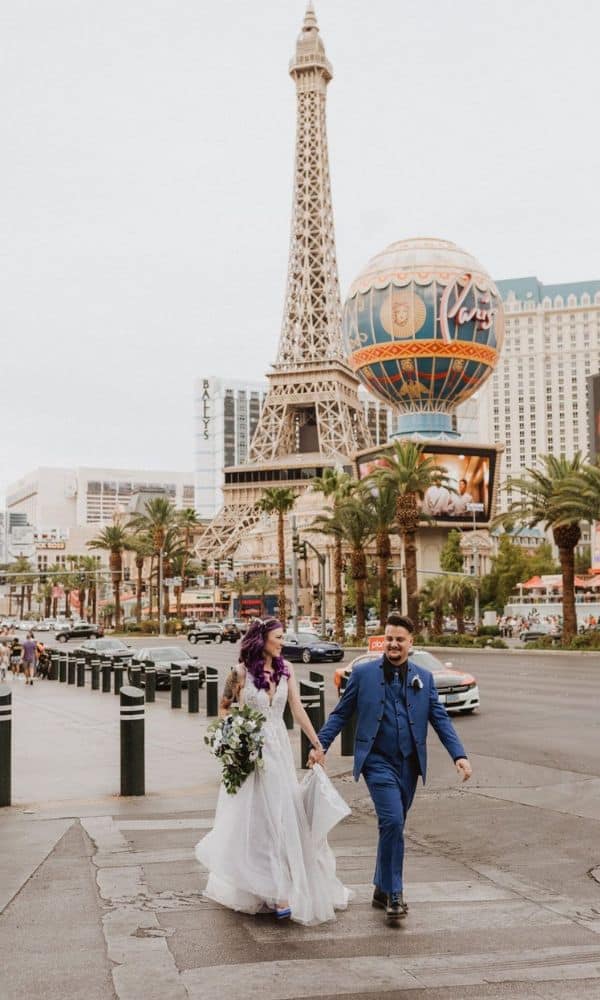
(469, 480)
(594, 400)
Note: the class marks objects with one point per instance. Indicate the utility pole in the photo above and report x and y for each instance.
(294, 575)
(160, 592)
(475, 508)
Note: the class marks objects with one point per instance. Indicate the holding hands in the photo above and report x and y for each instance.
(316, 756)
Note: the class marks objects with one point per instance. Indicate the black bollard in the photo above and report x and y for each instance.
(311, 702)
(150, 684)
(133, 767)
(5, 745)
(117, 677)
(95, 669)
(53, 673)
(288, 718)
(106, 672)
(62, 668)
(319, 680)
(349, 729)
(135, 675)
(193, 686)
(80, 664)
(70, 668)
(212, 692)
(175, 675)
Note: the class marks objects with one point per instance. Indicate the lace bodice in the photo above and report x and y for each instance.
(259, 699)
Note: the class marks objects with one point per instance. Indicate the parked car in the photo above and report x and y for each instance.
(309, 648)
(457, 691)
(214, 632)
(163, 659)
(79, 631)
(116, 649)
(540, 630)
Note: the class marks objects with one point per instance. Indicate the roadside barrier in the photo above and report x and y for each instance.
(135, 676)
(95, 670)
(70, 669)
(53, 672)
(150, 684)
(5, 745)
(117, 677)
(133, 766)
(175, 687)
(106, 672)
(349, 729)
(319, 680)
(193, 689)
(80, 666)
(310, 697)
(212, 692)
(62, 667)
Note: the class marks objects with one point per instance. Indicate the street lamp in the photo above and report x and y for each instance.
(475, 508)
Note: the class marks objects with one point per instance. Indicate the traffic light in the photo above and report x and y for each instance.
(302, 551)
(246, 577)
(316, 591)
(230, 564)
(216, 565)
(216, 578)
(204, 565)
(296, 542)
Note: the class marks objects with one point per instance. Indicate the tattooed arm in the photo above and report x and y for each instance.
(232, 690)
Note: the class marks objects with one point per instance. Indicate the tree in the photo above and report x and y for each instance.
(279, 501)
(187, 521)
(382, 503)
(153, 525)
(261, 584)
(353, 521)
(337, 486)
(21, 575)
(115, 540)
(409, 473)
(142, 546)
(542, 562)
(583, 559)
(451, 557)
(434, 598)
(509, 567)
(460, 589)
(554, 494)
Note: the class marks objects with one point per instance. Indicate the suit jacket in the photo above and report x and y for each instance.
(365, 695)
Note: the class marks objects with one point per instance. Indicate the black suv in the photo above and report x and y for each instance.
(83, 631)
(214, 632)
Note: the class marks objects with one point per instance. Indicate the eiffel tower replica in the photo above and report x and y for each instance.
(311, 418)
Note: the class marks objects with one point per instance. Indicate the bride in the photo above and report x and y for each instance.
(260, 853)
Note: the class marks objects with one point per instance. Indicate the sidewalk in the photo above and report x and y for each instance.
(101, 896)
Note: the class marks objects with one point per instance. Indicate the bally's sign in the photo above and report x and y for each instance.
(205, 408)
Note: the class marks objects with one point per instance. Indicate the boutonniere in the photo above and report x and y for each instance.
(416, 684)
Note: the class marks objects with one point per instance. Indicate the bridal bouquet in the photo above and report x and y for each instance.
(237, 741)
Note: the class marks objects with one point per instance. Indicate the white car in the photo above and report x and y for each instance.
(457, 691)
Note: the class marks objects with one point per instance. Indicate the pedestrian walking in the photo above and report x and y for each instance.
(394, 701)
(29, 658)
(4, 659)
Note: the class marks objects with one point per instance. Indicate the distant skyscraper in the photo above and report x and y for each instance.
(537, 401)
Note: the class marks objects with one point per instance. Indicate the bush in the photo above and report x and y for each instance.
(587, 640)
(491, 630)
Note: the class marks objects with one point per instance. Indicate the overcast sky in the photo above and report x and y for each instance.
(146, 180)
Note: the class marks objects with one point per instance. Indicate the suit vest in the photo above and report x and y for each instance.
(394, 735)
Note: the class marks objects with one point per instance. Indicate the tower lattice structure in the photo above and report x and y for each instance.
(311, 417)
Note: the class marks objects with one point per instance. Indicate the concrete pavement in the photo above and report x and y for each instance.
(101, 896)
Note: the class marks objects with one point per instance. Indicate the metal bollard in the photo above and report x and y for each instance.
(53, 672)
(212, 692)
(95, 668)
(175, 675)
(62, 668)
(349, 729)
(150, 685)
(5, 744)
(106, 672)
(288, 718)
(135, 676)
(80, 665)
(193, 686)
(70, 668)
(117, 677)
(319, 680)
(311, 702)
(133, 767)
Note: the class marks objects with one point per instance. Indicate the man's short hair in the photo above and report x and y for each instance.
(400, 621)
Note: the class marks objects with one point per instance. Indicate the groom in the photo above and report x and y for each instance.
(394, 700)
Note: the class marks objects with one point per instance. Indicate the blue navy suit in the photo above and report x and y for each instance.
(390, 749)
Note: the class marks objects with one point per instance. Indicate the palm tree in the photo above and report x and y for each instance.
(142, 546)
(115, 540)
(88, 565)
(159, 517)
(434, 597)
(354, 523)
(279, 501)
(459, 589)
(262, 584)
(187, 521)
(382, 502)
(548, 496)
(336, 485)
(20, 574)
(409, 474)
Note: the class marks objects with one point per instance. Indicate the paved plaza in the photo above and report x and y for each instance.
(101, 896)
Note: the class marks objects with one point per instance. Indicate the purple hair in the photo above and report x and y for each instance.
(252, 653)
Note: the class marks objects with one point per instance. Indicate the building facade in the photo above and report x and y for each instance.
(537, 401)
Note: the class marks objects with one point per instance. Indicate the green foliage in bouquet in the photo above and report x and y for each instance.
(237, 741)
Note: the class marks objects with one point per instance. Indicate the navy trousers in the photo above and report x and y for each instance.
(392, 786)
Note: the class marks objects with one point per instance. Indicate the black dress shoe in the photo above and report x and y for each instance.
(379, 899)
(396, 907)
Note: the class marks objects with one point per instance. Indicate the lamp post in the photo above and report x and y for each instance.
(160, 592)
(475, 508)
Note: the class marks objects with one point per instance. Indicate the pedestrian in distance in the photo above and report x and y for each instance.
(394, 701)
(29, 658)
(15, 656)
(4, 658)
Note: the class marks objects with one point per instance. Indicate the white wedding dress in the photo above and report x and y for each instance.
(261, 851)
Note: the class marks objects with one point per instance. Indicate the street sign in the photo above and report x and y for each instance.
(475, 508)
